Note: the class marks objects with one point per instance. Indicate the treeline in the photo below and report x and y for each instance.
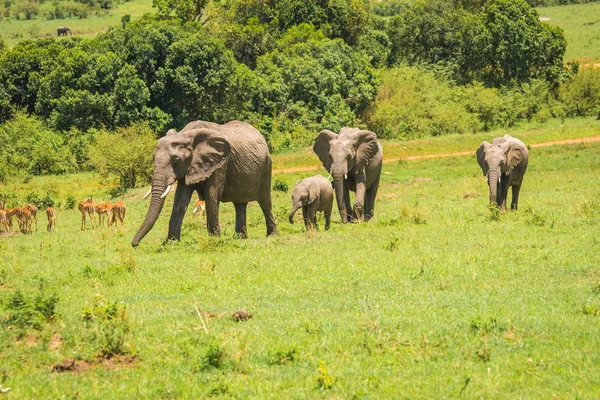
(26, 9)
(291, 68)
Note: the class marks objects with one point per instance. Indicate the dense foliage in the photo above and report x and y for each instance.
(292, 68)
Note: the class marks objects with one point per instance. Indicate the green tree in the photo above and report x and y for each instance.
(125, 156)
(186, 10)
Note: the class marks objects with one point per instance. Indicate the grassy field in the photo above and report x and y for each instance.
(436, 297)
(12, 30)
(581, 24)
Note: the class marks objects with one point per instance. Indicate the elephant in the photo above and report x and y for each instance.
(354, 159)
(503, 162)
(312, 195)
(63, 31)
(222, 163)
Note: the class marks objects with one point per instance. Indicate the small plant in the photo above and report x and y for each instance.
(392, 245)
(484, 353)
(324, 379)
(592, 309)
(282, 357)
(70, 202)
(211, 354)
(280, 186)
(495, 213)
(484, 325)
(109, 324)
(3, 276)
(31, 312)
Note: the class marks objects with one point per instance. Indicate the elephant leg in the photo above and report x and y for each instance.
(515, 196)
(240, 219)
(504, 191)
(328, 217)
(183, 194)
(349, 212)
(370, 200)
(305, 218)
(264, 201)
(312, 215)
(359, 199)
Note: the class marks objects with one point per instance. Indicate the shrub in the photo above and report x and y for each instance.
(124, 156)
(109, 324)
(30, 311)
(581, 95)
(280, 186)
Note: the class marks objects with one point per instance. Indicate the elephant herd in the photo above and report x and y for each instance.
(231, 163)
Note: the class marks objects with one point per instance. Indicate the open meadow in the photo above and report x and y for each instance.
(581, 24)
(438, 296)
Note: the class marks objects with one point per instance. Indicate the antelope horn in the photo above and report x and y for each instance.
(149, 191)
(167, 190)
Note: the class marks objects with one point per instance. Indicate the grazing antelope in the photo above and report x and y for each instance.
(51, 219)
(86, 207)
(118, 212)
(14, 212)
(33, 209)
(199, 208)
(103, 210)
(3, 221)
(26, 220)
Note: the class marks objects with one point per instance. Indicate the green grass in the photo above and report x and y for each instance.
(581, 24)
(436, 297)
(12, 30)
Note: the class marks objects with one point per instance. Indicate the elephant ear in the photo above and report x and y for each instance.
(313, 192)
(366, 146)
(515, 153)
(321, 147)
(481, 156)
(209, 152)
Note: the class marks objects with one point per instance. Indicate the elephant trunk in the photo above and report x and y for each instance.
(338, 173)
(493, 177)
(295, 208)
(156, 205)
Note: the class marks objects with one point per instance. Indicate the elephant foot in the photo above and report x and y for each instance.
(274, 232)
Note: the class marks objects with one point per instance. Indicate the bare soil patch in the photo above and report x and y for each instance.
(79, 366)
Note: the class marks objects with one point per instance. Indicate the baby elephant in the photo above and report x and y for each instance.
(312, 194)
(503, 162)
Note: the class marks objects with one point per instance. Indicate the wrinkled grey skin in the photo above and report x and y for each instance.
(312, 194)
(222, 163)
(63, 31)
(503, 162)
(353, 158)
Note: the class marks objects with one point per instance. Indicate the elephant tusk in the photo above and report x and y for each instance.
(148, 193)
(345, 176)
(499, 179)
(167, 190)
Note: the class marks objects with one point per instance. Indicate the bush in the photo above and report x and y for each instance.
(581, 95)
(31, 148)
(109, 324)
(413, 103)
(125, 156)
(30, 311)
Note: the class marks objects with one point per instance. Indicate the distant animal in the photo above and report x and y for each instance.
(63, 31)
(3, 221)
(33, 209)
(51, 219)
(503, 162)
(118, 213)
(312, 194)
(14, 212)
(354, 159)
(26, 221)
(199, 208)
(103, 210)
(87, 209)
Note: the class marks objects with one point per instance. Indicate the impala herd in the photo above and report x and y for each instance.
(27, 215)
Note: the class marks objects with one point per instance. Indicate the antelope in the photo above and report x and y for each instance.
(26, 220)
(118, 212)
(51, 219)
(33, 209)
(86, 207)
(199, 207)
(3, 220)
(103, 210)
(12, 212)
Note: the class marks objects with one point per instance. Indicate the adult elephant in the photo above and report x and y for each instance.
(222, 163)
(63, 31)
(353, 158)
(503, 162)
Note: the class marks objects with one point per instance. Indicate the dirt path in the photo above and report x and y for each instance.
(443, 155)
